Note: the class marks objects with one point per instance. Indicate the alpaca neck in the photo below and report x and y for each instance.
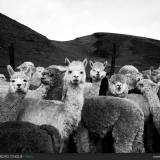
(153, 99)
(10, 107)
(154, 103)
(43, 90)
(54, 92)
(96, 86)
(74, 99)
(12, 98)
(73, 103)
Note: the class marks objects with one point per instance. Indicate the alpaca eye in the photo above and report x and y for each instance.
(24, 80)
(69, 72)
(81, 72)
(13, 81)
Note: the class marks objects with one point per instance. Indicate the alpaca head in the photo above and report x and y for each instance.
(152, 74)
(37, 75)
(24, 66)
(118, 84)
(19, 81)
(2, 77)
(147, 86)
(75, 73)
(97, 71)
(132, 79)
(52, 76)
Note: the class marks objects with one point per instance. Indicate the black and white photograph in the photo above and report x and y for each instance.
(79, 77)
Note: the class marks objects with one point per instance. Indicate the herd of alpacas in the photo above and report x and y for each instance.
(55, 110)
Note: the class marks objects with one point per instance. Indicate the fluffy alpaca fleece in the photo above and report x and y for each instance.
(4, 86)
(25, 65)
(142, 102)
(128, 69)
(63, 115)
(51, 85)
(132, 74)
(149, 90)
(118, 88)
(97, 73)
(24, 137)
(10, 105)
(122, 117)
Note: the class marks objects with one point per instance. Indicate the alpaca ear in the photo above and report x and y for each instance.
(90, 63)
(105, 64)
(10, 70)
(85, 62)
(67, 61)
(19, 67)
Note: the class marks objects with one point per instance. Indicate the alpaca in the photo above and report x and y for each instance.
(36, 73)
(132, 74)
(24, 137)
(51, 85)
(10, 105)
(141, 100)
(24, 66)
(97, 73)
(101, 115)
(149, 90)
(35, 81)
(63, 115)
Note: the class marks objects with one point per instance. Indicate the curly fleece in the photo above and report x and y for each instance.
(103, 114)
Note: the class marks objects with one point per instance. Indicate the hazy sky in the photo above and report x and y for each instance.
(68, 19)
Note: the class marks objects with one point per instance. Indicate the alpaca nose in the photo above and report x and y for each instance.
(75, 76)
(18, 85)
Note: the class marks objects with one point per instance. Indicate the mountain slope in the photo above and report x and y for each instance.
(32, 46)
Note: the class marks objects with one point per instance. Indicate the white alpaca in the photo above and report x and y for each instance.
(63, 115)
(97, 73)
(18, 87)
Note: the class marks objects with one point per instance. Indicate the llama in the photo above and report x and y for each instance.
(18, 87)
(97, 73)
(63, 115)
